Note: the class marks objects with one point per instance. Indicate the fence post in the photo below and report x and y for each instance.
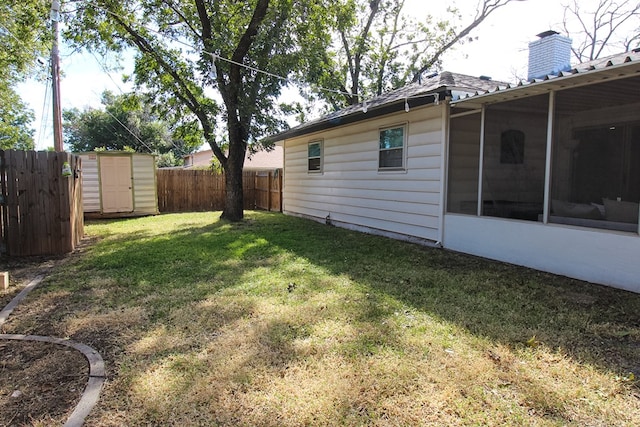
(269, 191)
(280, 197)
(3, 202)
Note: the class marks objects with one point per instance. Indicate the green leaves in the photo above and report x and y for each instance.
(15, 122)
(216, 61)
(24, 37)
(129, 120)
(379, 46)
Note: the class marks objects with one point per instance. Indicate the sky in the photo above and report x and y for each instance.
(500, 52)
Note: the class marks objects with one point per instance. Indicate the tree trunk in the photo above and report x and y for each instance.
(234, 201)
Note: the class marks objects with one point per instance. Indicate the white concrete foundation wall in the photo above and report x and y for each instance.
(598, 256)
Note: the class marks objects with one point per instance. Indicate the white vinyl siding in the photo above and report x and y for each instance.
(597, 256)
(144, 185)
(90, 183)
(352, 191)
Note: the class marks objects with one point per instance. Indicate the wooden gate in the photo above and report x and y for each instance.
(41, 204)
(268, 190)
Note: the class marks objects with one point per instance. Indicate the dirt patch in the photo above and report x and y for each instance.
(22, 271)
(40, 383)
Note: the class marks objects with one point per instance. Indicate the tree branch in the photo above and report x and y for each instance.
(182, 92)
(183, 18)
(360, 49)
(205, 22)
(486, 9)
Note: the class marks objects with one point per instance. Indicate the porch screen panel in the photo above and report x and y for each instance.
(464, 158)
(514, 158)
(596, 160)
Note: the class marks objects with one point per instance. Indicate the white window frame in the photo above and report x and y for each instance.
(405, 138)
(320, 142)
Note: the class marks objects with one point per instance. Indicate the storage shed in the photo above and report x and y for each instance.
(119, 184)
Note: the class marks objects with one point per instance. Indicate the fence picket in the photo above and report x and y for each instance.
(193, 190)
(42, 211)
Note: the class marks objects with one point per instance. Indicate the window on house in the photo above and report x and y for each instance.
(314, 156)
(392, 144)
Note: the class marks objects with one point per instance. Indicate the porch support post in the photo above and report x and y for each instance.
(444, 162)
(547, 168)
(481, 160)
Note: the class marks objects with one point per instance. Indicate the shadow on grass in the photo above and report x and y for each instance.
(506, 303)
(176, 275)
(503, 302)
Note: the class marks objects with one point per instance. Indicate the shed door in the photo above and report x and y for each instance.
(116, 184)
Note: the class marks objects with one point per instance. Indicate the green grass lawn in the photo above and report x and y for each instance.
(280, 321)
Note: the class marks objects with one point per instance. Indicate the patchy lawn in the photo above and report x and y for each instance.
(279, 321)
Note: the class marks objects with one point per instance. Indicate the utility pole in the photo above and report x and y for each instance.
(55, 78)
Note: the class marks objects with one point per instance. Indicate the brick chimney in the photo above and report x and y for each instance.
(550, 54)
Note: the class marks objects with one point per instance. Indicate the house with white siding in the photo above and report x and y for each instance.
(544, 174)
(259, 160)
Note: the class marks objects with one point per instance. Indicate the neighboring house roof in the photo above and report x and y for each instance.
(415, 94)
(471, 92)
(262, 159)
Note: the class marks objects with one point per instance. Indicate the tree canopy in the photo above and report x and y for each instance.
(24, 38)
(15, 122)
(127, 122)
(221, 62)
(380, 46)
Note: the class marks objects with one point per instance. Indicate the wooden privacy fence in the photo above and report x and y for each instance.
(41, 206)
(190, 190)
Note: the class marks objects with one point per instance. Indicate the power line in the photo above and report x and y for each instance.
(249, 67)
(129, 130)
(107, 72)
(258, 70)
(44, 117)
(104, 69)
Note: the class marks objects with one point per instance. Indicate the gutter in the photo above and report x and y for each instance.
(425, 99)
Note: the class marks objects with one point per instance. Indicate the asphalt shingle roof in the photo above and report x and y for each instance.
(585, 68)
(418, 93)
(462, 87)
